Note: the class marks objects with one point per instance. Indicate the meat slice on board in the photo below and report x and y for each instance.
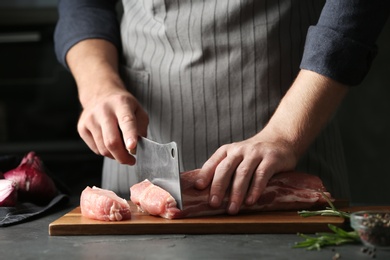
(285, 191)
(154, 200)
(101, 204)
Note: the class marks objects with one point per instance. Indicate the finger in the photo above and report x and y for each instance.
(260, 179)
(127, 122)
(128, 126)
(206, 173)
(241, 181)
(114, 143)
(98, 139)
(222, 179)
(92, 137)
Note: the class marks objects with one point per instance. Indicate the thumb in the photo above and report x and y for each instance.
(128, 127)
(133, 125)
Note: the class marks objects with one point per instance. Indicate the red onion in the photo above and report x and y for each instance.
(32, 181)
(8, 193)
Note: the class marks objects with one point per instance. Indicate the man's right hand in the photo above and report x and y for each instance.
(112, 118)
(110, 125)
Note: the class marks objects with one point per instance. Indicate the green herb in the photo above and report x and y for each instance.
(324, 212)
(338, 237)
(328, 211)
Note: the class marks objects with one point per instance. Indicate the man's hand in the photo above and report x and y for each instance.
(111, 124)
(244, 167)
(112, 118)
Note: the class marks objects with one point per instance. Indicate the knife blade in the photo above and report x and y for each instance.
(159, 163)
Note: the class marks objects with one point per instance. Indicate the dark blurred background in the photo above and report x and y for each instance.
(39, 107)
(365, 125)
(38, 97)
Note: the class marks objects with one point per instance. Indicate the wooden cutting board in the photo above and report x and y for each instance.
(288, 222)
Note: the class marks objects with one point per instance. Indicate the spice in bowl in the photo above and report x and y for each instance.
(373, 227)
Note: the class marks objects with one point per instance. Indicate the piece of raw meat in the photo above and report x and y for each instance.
(101, 204)
(285, 191)
(153, 200)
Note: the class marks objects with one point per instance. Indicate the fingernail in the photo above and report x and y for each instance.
(128, 143)
(233, 209)
(214, 201)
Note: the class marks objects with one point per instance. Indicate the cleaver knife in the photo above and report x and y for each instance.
(159, 163)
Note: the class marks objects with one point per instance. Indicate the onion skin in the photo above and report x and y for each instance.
(8, 193)
(33, 183)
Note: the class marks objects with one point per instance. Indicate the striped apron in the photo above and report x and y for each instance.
(211, 72)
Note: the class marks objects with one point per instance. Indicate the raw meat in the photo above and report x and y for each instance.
(285, 191)
(101, 204)
(153, 200)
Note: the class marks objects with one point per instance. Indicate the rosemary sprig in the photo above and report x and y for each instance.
(325, 212)
(338, 237)
(328, 211)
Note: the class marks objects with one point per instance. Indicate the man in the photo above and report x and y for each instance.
(224, 79)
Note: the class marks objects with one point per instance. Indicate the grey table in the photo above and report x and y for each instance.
(30, 240)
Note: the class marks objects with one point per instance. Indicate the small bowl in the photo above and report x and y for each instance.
(373, 227)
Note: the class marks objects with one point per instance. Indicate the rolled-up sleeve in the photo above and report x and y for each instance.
(342, 45)
(85, 19)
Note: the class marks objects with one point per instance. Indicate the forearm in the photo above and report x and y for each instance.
(304, 111)
(94, 65)
(112, 118)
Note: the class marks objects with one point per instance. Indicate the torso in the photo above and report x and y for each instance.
(212, 72)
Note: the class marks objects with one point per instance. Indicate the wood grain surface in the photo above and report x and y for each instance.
(281, 222)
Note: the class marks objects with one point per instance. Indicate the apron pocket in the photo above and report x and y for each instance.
(137, 83)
